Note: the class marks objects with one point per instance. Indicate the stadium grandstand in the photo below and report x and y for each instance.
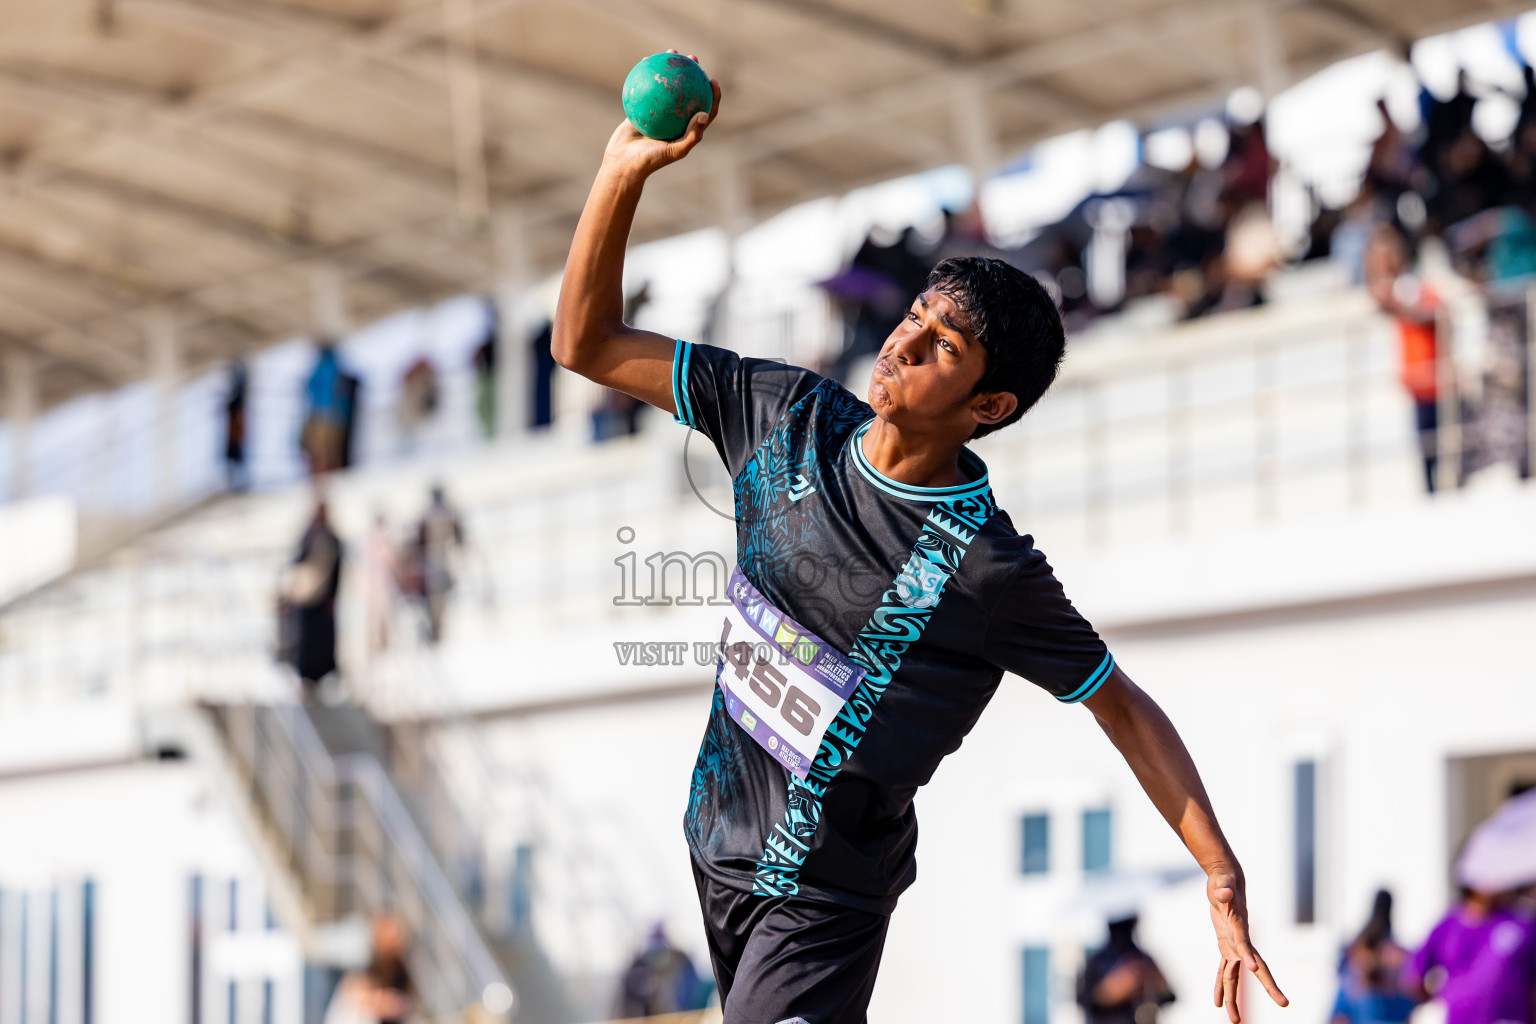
(354, 655)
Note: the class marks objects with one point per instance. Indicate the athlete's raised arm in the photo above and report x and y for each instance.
(590, 336)
(1151, 746)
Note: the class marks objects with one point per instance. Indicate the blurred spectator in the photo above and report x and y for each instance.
(387, 971)
(418, 400)
(1352, 235)
(349, 385)
(308, 604)
(382, 584)
(1121, 984)
(484, 361)
(1247, 169)
(383, 994)
(660, 979)
(1390, 170)
(1497, 249)
(544, 366)
(1480, 961)
(437, 535)
(237, 475)
(1371, 985)
(618, 414)
(1415, 307)
(328, 414)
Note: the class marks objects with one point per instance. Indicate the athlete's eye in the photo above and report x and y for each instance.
(911, 315)
(947, 346)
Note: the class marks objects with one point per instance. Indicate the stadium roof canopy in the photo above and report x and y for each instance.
(212, 160)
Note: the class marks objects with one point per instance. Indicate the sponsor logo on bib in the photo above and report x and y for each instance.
(785, 637)
(805, 651)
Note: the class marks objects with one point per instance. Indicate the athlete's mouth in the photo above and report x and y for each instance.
(884, 368)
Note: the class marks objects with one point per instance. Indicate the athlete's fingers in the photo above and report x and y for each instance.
(714, 106)
(1261, 971)
(691, 137)
(1221, 970)
(1231, 974)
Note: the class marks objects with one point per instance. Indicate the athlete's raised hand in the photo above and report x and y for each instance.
(1229, 916)
(632, 152)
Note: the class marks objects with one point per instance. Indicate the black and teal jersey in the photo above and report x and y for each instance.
(929, 589)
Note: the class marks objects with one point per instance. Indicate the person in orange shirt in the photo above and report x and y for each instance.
(1415, 306)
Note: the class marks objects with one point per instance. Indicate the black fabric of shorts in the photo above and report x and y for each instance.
(781, 959)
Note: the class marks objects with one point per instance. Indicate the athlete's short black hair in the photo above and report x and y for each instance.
(1014, 319)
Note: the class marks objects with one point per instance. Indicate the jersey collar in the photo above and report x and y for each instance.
(970, 464)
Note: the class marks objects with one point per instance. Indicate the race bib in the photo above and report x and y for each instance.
(782, 683)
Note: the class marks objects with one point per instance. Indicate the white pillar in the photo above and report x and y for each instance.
(734, 200)
(465, 111)
(328, 301)
(735, 195)
(515, 322)
(1269, 50)
(164, 351)
(21, 407)
(975, 128)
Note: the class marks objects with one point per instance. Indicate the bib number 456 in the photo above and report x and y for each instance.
(798, 709)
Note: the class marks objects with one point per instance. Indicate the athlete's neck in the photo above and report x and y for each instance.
(915, 461)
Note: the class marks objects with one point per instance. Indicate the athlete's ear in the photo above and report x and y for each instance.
(993, 406)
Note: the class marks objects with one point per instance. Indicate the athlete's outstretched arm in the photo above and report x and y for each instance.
(590, 336)
(1151, 746)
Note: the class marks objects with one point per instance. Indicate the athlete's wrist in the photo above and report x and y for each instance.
(1224, 869)
(622, 175)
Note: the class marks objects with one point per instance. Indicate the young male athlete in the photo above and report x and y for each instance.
(880, 595)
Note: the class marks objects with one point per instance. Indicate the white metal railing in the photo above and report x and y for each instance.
(478, 809)
(355, 849)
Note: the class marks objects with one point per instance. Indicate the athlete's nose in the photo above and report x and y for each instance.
(909, 346)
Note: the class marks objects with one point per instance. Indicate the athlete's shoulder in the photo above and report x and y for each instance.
(839, 409)
(1000, 551)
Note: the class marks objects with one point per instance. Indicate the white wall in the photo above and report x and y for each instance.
(38, 539)
(140, 832)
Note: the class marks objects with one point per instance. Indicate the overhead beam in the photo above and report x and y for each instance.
(100, 103)
(312, 56)
(1363, 28)
(64, 341)
(854, 25)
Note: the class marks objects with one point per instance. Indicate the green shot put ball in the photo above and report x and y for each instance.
(663, 92)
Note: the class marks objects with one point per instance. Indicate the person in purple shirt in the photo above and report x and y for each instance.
(1480, 960)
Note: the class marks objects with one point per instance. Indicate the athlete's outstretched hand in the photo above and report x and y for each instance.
(1229, 916)
(632, 152)
(1143, 734)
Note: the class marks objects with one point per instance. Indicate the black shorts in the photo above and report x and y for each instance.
(788, 960)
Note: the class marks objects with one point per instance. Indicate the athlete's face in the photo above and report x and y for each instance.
(927, 371)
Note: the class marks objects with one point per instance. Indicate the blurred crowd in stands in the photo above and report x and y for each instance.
(1201, 239)
(1202, 234)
